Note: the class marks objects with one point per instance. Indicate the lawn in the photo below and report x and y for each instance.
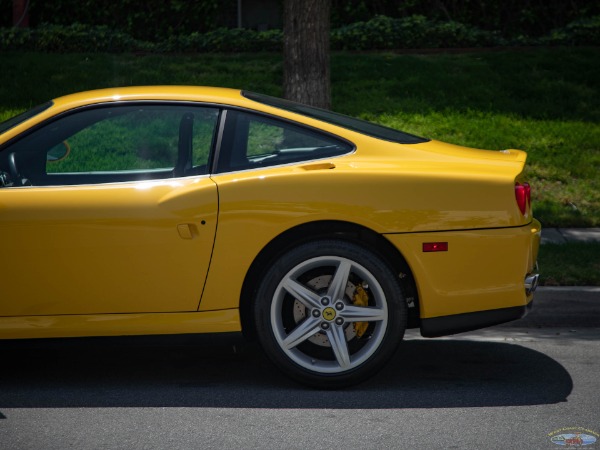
(571, 264)
(545, 101)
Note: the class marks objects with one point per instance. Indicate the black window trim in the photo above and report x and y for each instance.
(23, 117)
(280, 103)
(216, 150)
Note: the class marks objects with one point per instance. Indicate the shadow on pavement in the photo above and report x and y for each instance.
(205, 371)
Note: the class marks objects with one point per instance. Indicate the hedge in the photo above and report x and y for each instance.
(152, 20)
(379, 33)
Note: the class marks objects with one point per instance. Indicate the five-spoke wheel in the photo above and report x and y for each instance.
(330, 313)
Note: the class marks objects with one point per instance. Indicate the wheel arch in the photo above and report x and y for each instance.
(312, 231)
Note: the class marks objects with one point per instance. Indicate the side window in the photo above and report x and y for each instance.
(252, 141)
(128, 140)
(118, 143)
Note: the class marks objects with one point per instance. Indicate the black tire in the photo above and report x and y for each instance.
(342, 293)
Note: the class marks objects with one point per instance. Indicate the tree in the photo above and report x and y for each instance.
(20, 13)
(306, 52)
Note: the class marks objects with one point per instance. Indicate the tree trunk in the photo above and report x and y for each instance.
(20, 13)
(306, 52)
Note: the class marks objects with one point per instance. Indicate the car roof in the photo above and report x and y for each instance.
(132, 93)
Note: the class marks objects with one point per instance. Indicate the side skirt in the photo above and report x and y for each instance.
(25, 327)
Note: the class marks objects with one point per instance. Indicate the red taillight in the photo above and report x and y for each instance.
(523, 196)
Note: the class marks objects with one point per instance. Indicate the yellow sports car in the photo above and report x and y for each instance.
(169, 210)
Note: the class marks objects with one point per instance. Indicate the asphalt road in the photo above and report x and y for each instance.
(507, 387)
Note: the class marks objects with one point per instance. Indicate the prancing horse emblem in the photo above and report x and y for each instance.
(329, 313)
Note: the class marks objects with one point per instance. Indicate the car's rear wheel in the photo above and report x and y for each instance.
(330, 313)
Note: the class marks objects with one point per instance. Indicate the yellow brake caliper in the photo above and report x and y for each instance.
(361, 298)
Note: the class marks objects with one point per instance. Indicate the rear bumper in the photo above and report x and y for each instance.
(484, 278)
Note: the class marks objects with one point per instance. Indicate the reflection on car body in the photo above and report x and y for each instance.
(197, 210)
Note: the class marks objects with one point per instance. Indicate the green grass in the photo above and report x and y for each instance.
(544, 101)
(571, 264)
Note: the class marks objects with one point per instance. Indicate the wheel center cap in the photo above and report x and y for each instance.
(329, 313)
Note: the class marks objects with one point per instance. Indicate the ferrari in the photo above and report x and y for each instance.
(164, 210)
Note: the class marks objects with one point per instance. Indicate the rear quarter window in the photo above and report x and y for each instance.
(253, 141)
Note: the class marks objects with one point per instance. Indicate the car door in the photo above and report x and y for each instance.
(110, 210)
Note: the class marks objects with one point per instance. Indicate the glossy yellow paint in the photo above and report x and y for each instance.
(119, 324)
(112, 248)
(397, 198)
(408, 193)
(479, 272)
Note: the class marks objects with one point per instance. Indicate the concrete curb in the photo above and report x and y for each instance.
(591, 289)
(564, 235)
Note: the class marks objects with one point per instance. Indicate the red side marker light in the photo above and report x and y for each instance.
(435, 246)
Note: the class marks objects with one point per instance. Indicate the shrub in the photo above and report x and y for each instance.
(224, 40)
(16, 39)
(379, 33)
(455, 34)
(579, 32)
(411, 32)
(242, 40)
(143, 20)
(72, 38)
(82, 38)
